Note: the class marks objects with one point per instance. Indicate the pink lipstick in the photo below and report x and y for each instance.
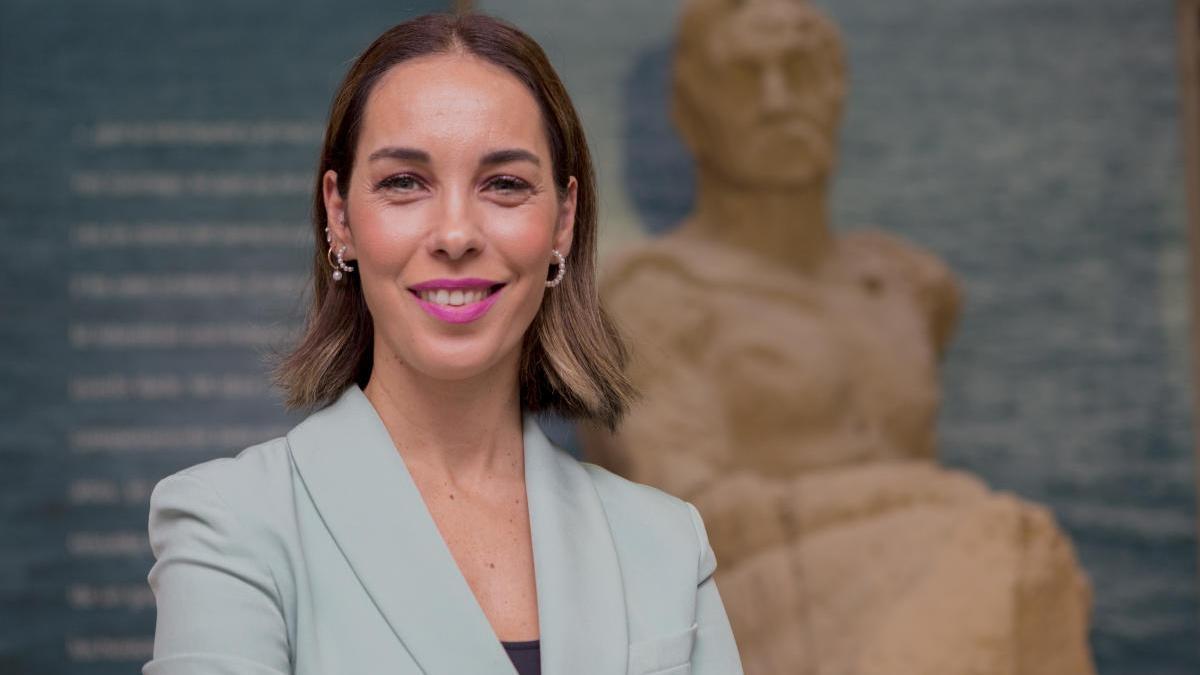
(457, 300)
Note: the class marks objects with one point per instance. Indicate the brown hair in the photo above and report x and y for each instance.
(572, 358)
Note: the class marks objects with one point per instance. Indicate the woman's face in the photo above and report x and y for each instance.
(451, 215)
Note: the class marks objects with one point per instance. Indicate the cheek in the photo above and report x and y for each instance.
(727, 126)
(527, 250)
(524, 239)
(385, 243)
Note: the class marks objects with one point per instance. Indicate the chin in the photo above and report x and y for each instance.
(460, 367)
(794, 163)
(793, 175)
(440, 362)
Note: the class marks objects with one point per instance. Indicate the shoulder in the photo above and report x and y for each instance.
(653, 523)
(254, 475)
(216, 558)
(247, 496)
(930, 281)
(637, 282)
(624, 493)
(903, 258)
(676, 264)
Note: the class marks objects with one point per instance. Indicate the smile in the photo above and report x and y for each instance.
(457, 300)
(454, 297)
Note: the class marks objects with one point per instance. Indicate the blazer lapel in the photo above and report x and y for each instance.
(372, 508)
(581, 597)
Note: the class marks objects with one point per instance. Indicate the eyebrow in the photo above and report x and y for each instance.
(410, 154)
(510, 155)
(490, 159)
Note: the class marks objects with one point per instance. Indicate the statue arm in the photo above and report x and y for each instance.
(941, 296)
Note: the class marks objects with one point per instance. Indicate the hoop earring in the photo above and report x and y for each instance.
(562, 270)
(340, 266)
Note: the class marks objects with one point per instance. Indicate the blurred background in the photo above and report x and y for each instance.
(154, 188)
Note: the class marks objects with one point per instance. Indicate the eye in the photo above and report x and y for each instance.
(400, 181)
(508, 184)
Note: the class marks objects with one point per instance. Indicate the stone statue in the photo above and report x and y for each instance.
(789, 381)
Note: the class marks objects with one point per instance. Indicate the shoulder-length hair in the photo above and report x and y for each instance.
(572, 357)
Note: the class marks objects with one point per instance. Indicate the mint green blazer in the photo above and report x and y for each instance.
(314, 554)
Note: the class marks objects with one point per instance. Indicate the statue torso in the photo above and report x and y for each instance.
(806, 370)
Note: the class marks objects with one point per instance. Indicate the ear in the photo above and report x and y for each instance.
(335, 215)
(564, 229)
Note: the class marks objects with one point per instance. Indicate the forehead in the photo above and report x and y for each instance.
(451, 103)
(770, 29)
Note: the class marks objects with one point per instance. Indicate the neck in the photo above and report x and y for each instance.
(463, 433)
(787, 225)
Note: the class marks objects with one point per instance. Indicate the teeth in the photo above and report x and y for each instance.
(454, 297)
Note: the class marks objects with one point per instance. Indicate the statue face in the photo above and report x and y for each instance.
(760, 95)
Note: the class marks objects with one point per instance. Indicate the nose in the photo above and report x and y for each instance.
(455, 234)
(775, 35)
(777, 95)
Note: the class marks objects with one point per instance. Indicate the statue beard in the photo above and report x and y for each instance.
(789, 154)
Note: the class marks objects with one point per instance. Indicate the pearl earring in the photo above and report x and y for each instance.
(340, 266)
(562, 269)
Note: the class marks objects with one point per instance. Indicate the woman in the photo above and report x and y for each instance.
(419, 521)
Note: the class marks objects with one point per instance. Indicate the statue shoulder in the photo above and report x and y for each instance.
(659, 301)
(919, 265)
(644, 277)
(654, 267)
(930, 280)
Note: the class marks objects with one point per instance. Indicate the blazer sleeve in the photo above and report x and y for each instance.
(219, 610)
(715, 651)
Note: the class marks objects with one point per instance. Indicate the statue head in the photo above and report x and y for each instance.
(758, 89)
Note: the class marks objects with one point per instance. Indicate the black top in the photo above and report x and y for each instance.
(526, 656)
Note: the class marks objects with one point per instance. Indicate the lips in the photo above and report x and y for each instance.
(457, 300)
(455, 297)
